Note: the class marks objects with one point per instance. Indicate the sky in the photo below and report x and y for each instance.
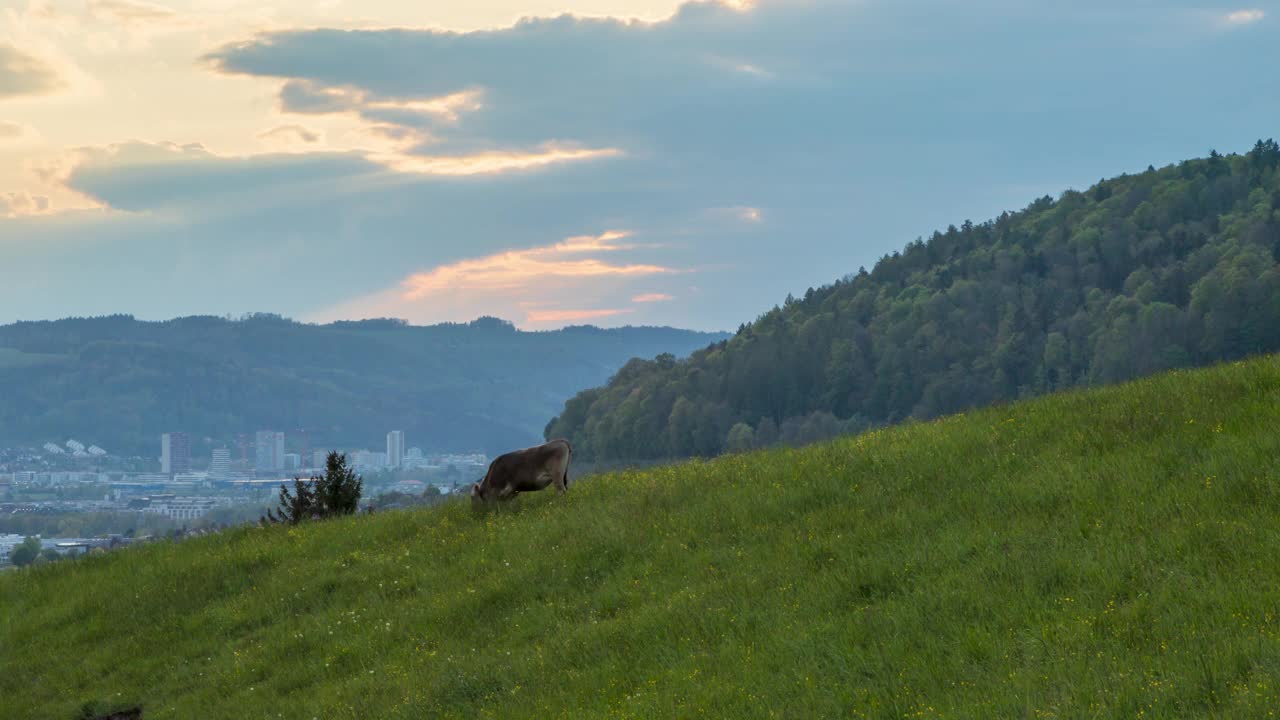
(561, 162)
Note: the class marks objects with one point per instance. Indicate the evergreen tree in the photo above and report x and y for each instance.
(296, 506)
(337, 492)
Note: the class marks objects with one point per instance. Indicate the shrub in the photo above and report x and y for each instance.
(26, 553)
(337, 492)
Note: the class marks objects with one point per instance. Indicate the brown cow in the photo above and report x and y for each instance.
(527, 470)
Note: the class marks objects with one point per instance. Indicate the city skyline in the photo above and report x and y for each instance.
(176, 455)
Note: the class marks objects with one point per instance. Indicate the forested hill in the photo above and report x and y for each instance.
(119, 382)
(1168, 268)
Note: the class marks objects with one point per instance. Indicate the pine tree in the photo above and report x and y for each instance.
(337, 492)
(295, 507)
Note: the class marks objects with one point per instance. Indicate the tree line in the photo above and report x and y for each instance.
(1169, 268)
(119, 382)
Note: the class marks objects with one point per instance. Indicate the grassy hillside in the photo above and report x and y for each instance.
(1110, 553)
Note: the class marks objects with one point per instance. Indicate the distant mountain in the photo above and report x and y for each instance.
(1170, 268)
(485, 386)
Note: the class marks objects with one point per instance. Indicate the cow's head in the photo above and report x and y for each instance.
(477, 494)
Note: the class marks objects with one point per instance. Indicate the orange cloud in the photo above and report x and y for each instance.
(305, 96)
(525, 268)
(1244, 17)
(393, 145)
(447, 108)
(488, 162)
(570, 281)
(23, 204)
(651, 298)
(541, 317)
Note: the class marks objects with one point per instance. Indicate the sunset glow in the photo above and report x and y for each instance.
(527, 268)
(557, 317)
(169, 157)
(536, 287)
(489, 162)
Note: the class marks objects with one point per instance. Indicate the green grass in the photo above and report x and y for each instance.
(1112, 553)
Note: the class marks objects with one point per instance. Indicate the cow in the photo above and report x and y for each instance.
(527, 470)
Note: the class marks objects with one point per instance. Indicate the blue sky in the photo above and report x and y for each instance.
(555, 163)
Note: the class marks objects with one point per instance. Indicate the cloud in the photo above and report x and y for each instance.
(567, 79)
(130, 12)
(652, 298)
(25, 74)
(21, 204)
(445, 108)
(11, 131)
(397, 132)
(520, 269)
(289, 135)
(791, 81)
(560, 317)
(304, 96)
(308, 97)
(189, 179)
(741, 67)
(1243, 17)
(486, 163)
(532, 284)
(770, 147)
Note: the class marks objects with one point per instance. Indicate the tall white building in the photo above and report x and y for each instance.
(220, 464)
(270, 450)
(175, 453)
(395, 448)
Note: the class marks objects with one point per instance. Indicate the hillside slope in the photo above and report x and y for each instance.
(1176, 267)
(119, 382)
(1109, 553)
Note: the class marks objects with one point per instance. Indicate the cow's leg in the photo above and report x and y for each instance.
(563, 483)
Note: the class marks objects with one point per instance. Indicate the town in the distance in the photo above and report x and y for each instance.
(77, 497)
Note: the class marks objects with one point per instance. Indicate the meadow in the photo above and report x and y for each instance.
(1109, 553)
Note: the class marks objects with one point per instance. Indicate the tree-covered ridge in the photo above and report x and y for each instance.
(120, 382)
(1169, 268)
